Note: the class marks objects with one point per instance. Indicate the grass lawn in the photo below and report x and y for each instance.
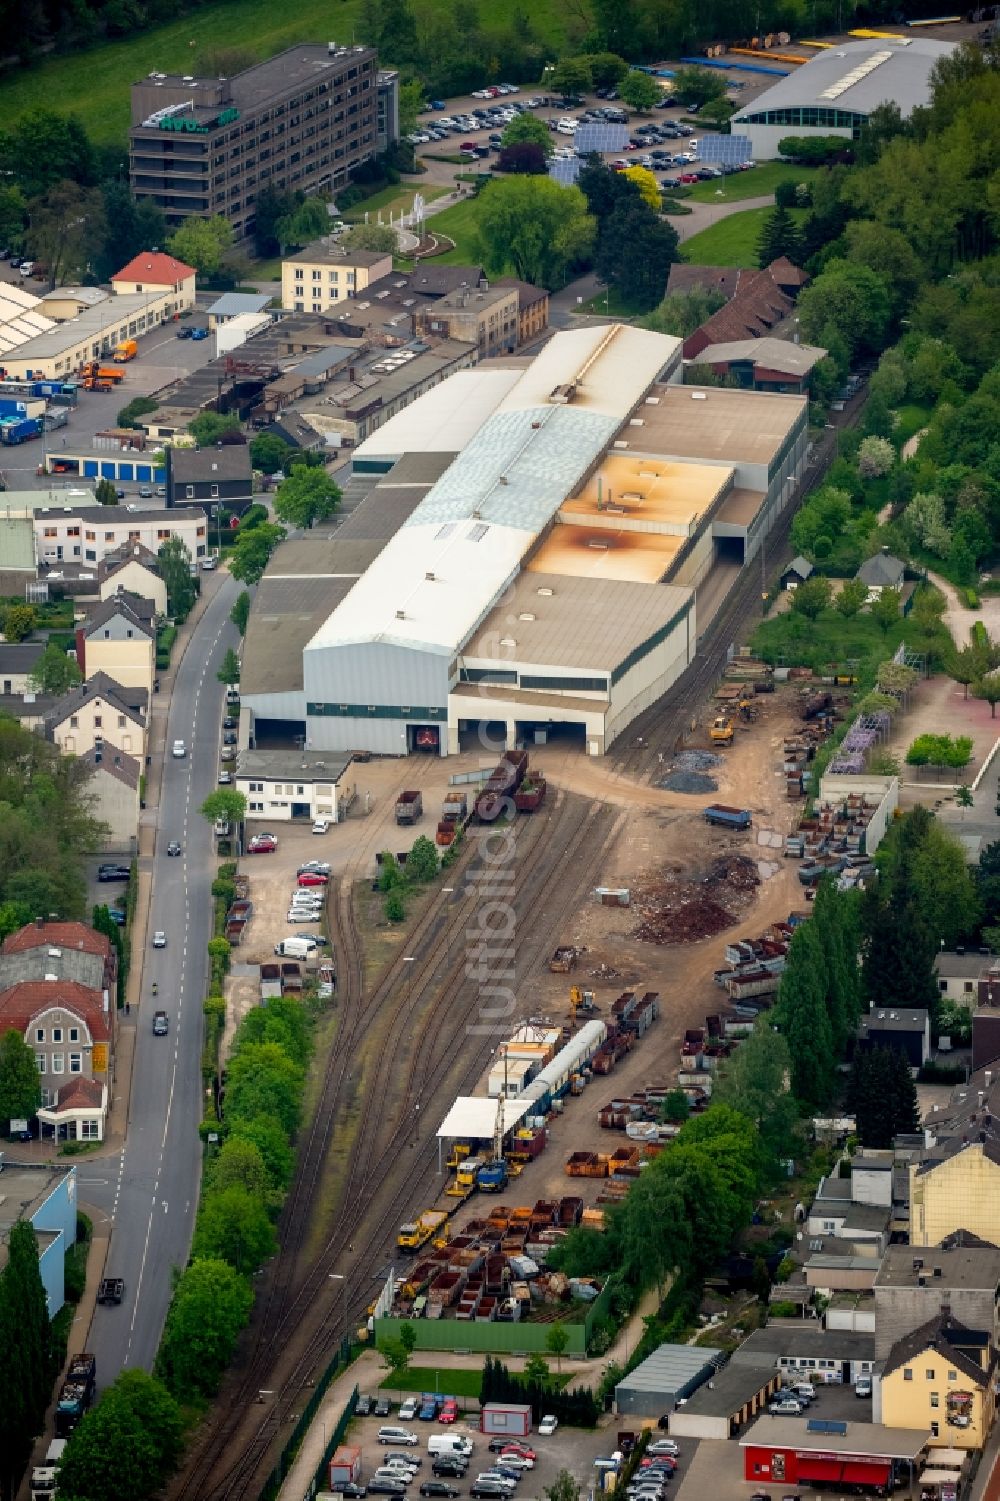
(752, 184)
(909, 420)
(94, 83)
(731, 242)
(449, 1382)
(610, 303)
(393, 200)
(460, 223)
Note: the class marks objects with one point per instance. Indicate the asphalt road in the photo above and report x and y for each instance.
(151, 1189)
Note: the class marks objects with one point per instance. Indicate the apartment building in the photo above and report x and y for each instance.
(70, 534)
(325, 272)
(300, 121)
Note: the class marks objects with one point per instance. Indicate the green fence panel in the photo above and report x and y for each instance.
(485, 1338)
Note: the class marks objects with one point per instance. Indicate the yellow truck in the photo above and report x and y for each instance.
(126, 350)
(430, 1226)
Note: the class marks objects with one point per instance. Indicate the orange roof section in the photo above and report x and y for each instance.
(155, 267)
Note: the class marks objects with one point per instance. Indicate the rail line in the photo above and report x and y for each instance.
(302, 1316)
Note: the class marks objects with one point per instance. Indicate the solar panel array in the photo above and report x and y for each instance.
(601, 136)
(728, 149)
(566, 170)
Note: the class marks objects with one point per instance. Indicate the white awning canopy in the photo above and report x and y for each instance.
(476, 1118)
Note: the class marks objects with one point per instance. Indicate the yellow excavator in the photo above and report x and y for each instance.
(722, 731)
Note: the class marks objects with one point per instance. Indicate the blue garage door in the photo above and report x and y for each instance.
(144, 473)
(108, 470)
(90, 468)
(125, 471)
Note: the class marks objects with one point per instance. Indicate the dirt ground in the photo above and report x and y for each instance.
(938, 706)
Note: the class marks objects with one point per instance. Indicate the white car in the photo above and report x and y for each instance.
(666, 1446)
(408, 1409)
(178, 750)
(321, 826)
(517, 1462)
(159, 940)
(300, 914)
(548, 1425)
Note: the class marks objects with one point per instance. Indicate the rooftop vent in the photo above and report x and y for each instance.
(699, 396)
(400, 614)
(546, 593)
(508, 641)
(526, 615)
(429, 577)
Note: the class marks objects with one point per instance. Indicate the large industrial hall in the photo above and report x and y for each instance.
(533, 563)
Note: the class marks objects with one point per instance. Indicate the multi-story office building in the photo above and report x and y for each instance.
(301, 121)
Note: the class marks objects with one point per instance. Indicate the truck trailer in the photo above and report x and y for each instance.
(728, 818)
(76, 1394)
(43, 1476)
(409, 806)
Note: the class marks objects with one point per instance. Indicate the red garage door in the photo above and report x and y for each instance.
(818, 1470)
(875, 1474)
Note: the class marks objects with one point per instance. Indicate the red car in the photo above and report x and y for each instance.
(262, 844)
(689, 177)
(520, 1449)
(312, 878)
(449, 1411)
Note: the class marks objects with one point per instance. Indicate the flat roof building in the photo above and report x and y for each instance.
(326, 272)
(300, 121)
(836, 91)
(671, 1372)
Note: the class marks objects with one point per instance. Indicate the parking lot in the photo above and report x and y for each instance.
(571, 1449)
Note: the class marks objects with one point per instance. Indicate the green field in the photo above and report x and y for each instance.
(449, 1382)
(94, 83)
(731, 242)
(392, 200)
(752, 184)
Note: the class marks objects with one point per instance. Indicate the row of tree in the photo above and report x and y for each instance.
(576, 1406)
(245, 1181)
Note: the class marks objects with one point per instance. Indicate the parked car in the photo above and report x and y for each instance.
(349, 1489)
(387, 1485)
(548, 1425)
(312, 878)
(449, 1411)
(410, 1461)
(408, 1409)
(262, 844)
(321, 826)
(863, 1386)
(428, 1402)
(395, 1435)
(113, 872)
(785, 1407)
(438, 1488)
(451, 1466)
(225, 778)
(363, 1406)
(321, 867)
(512, 1446)
(663, 1446)
(383, 1407)
(199, 333)
(185, 332)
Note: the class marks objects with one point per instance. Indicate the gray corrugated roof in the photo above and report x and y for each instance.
(516, 473)
(231, 304)
(902, 76)
(20, 656)
(730, 1390)
(669, 1368)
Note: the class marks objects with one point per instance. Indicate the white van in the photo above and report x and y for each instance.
(449, 1443)
(296, 948)
(178, 750)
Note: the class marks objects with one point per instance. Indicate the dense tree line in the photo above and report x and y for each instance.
(245, 1181)
(577, 1405)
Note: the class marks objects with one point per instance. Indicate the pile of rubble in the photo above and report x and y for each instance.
(686, 772)
(676, 911)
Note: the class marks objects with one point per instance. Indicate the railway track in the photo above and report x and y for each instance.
(304, 1312)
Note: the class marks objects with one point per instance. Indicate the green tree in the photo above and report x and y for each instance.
(19, 621)
(694, 85)
(607, 69)
(890, 255)
(563, 1488)
(263, 1080)
(240, 613)
(876, 456)
(13, 215)
(226, 803)
(271, 207)
(381, 238)
(639, 91)
(55, 672)
(29, 1366)
(534, 227)
(812, 598)
(208, 427)
(269, 453)
(882, 1096)
(105, 493)
(570, 76)
(306, 496)
(20, 1091)
(65, 228)
(394, 907)
(131, 226)
(272, 1144)
(394, 1353)
(129, 414)
(43, 148)
(229, 671)
(884, 609)
(528, 130)
(676, 1107)
(988, 688)
(804, 1020)
(174, 563)
(210, 1306)
(850, 300)
(127, 1446)
(852, 598)
(839, 935)
(780, 236)
(307, 222)
(412, 100)
(422, 863)
(680, 313)
(557, 1341)
(754, 1081)
(536, 1370)
(253, 550)
(234, 1226)
(635, 250)
(202, 243)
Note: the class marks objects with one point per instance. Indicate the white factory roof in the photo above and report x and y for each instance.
(445, 418)
(436, 579)
(21, 317)
(93, 322)
(857, 76)
(472, 1116)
